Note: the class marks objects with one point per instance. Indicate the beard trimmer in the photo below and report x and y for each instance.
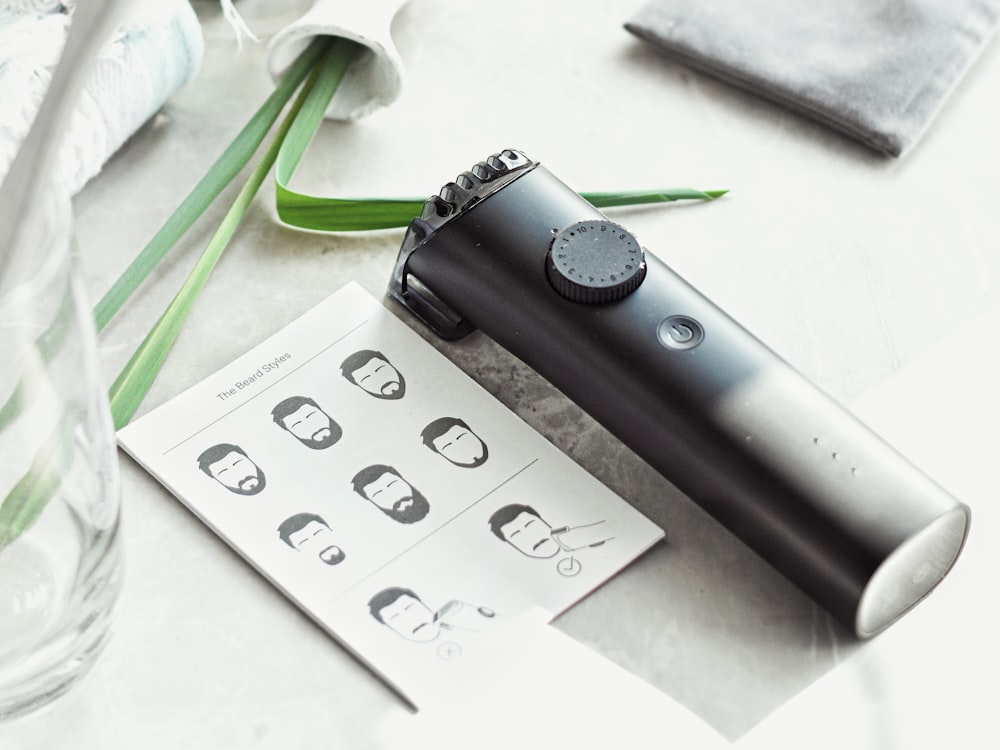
(509, 249)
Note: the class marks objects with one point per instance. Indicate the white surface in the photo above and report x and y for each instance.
(536, 687)
(852, 266)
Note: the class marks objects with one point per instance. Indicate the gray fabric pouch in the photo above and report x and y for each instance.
(878, 70)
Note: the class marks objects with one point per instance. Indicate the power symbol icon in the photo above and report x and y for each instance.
(680, 332)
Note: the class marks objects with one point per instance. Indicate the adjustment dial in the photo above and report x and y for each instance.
(595, 261)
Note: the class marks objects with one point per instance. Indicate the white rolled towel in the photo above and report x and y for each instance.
(155, 52)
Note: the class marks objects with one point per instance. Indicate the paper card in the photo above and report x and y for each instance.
(385, 492)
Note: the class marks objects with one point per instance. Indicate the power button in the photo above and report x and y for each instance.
(680, 332)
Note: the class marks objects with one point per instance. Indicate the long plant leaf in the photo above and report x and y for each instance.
(132, 384)
(47, 346)
(364, 214)
(328, 214)
(221, 173)
(641, 197)
(25, 502)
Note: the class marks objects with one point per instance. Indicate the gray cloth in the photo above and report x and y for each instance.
(878, 70)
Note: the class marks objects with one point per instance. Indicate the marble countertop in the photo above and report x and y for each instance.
(851, 265)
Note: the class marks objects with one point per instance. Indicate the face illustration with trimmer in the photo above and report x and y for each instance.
(509, 249)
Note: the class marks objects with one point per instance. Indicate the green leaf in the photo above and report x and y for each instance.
(328, 214)
(220, 174)
(47, 346)
(365, 214)
(24, 504)
(134, 381)
(639, 197)
(344, 214)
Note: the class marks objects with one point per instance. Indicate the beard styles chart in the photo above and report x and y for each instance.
(384, 492)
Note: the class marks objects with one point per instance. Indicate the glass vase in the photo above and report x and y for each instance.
(60, 566)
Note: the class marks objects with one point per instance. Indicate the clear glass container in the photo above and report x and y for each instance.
(60, 560)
